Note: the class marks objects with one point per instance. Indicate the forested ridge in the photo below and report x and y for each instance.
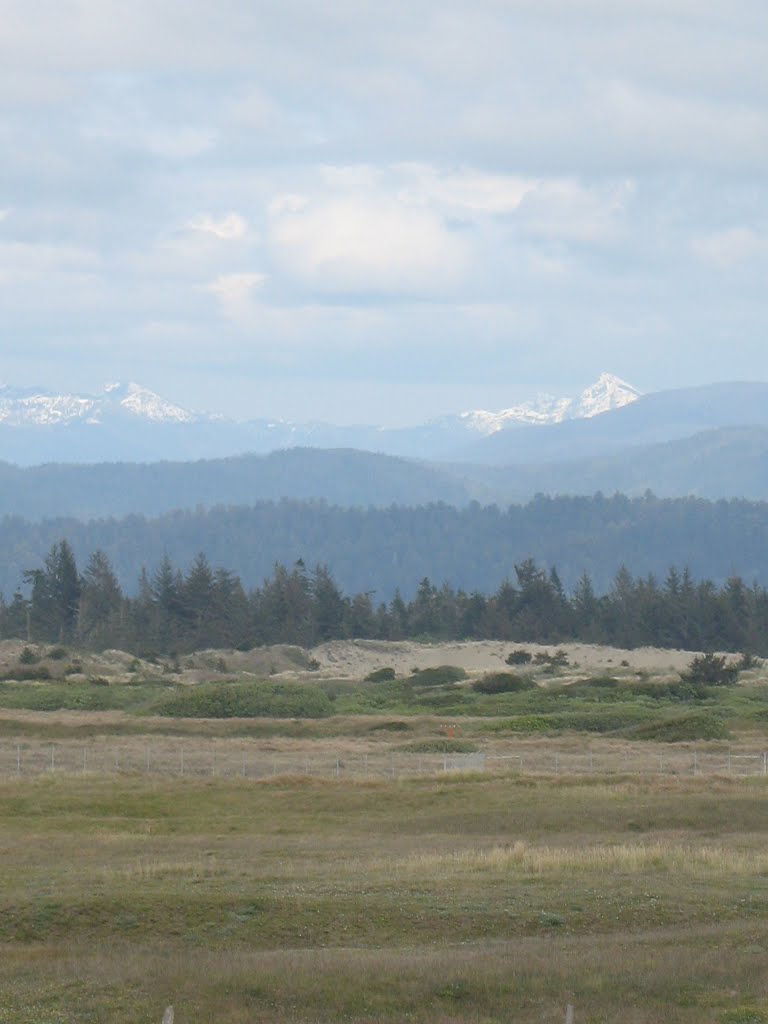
(383, 549)
(175, 612)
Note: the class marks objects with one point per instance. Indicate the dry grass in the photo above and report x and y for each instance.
(463, 899)
(685, 860)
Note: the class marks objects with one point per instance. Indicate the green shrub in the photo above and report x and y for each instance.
(694, 725)
(440, 746)
(518, 657)
(57, 653)
(748, 661)
(523, 723)
(442, 675)
(503, 682)
(682, 691)
(380, 675)
(556, 660)
(711, 670)
(248, 700)
(32, 673)
(390, 727)
(28, 657)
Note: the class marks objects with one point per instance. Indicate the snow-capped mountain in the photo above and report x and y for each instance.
(128, 422)
(607, 393)
(30, 407)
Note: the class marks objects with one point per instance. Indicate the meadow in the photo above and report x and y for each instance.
(494, 896)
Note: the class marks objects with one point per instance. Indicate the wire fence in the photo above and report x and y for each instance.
(33, 758)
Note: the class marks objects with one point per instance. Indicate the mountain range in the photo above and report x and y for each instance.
(129, 451)
(128, 422)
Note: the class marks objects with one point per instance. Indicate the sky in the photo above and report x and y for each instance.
(365, 212)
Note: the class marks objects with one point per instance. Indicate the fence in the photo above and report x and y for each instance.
(35, 758)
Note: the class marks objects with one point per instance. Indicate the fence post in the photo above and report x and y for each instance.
(695, 763)
(181, 752)
(18, 759)
(85, 760)
(53, 759)
(569, 1014)
(765, 763)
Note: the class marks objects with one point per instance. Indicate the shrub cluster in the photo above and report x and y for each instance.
(441, 675)
(503, 682)
(248, 700)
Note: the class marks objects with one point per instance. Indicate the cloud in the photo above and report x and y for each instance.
(236, 291)
(230, 227)
(568, 211)
(359, 244)
(725, 250)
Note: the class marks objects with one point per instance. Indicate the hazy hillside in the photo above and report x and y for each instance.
(732, 461)
(380, 550)
(725, 463)
(654, 418)
(113, 489)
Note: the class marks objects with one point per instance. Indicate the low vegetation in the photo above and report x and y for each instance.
(464, 898)
(370, 870)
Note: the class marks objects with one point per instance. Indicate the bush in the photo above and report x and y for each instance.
(446, 746)
(57, 653)
(556, 660)
(28, 673)
(522, 723)
(248, 700)
(711, 670)
(518, 657)
(28, 657)
(442, 675)
(503, 682)
(380, 675)
(748, 661)
(695, 725)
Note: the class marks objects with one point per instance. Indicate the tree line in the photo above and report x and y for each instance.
(473, 548)
(174, 612)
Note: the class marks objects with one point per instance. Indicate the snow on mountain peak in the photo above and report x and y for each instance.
(33, 407)
(150, 406)
(607, 393)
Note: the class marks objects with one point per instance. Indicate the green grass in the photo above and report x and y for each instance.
(458, 898)
(464, 898)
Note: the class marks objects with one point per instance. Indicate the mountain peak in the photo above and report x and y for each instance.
(38, 407)
(607, 393)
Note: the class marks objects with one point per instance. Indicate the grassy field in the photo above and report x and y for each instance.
(429, 897)
(459, 898)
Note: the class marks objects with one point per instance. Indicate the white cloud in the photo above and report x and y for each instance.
(723, 250)
(289, 203)
(569, 211)
(230, 227)
(466, 189)
(235, 292)
(369, 245)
